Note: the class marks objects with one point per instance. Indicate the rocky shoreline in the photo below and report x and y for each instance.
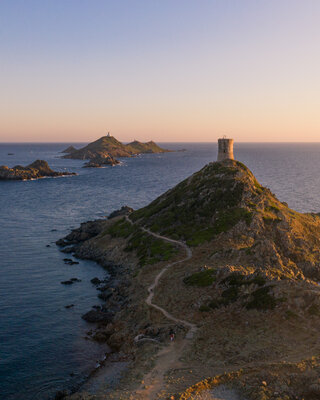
(112, 291)
(115, 322)
(38, 169)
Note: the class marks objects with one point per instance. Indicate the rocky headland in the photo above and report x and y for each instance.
(231, 270)
(38, 169)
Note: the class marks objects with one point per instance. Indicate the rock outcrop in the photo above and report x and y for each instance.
(101, 160)
(124, 210)
(38, 169)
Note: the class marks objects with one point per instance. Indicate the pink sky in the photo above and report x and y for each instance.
(167, 71)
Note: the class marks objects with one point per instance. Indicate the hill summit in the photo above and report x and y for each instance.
(110, 146)
(224, 201)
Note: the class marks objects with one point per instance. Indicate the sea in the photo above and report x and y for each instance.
(42, 344)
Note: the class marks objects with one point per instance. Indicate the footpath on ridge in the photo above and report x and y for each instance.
(153, 383)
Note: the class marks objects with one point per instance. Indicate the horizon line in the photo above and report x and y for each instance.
(173, 142)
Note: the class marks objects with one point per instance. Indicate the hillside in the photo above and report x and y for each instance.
(221, 253)
(225, 198)
(108, 145)
(69, 150)
(137, 147)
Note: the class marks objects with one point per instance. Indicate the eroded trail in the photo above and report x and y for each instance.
(168, 357)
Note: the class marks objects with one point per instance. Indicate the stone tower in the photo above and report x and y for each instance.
(225, 149)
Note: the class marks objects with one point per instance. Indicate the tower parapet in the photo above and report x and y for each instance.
(225, 149)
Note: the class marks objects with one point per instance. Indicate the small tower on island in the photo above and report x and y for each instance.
(225, 149)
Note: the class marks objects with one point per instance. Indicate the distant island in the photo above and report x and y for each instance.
(38, 169)
(109, 147)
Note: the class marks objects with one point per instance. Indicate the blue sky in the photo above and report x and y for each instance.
(163, 70)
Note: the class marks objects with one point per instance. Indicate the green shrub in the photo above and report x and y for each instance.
(217, 303)
(121, 228)
(231, 294)
(238, 279)
(201, 279)
(204, 308)
(314, 309)
(262, 300)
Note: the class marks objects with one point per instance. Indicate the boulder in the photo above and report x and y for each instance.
(124, 210)
(95, 316)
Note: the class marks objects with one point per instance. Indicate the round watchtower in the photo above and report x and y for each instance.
(225, 149)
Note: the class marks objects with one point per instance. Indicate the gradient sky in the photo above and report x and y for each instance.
(167, 70)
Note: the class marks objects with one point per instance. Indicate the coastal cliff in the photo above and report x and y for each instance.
(38, 169)
(218, 256)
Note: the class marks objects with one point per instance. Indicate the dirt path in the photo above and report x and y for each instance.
(168, 357)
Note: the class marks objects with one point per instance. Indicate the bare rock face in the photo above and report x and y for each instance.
(38, 169)
(101, 160)
(125, 210)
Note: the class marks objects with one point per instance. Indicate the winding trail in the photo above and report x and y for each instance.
(153, 384)
(192, 327)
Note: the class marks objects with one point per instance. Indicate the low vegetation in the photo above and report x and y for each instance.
(259, 298)
(201, 279)
(199, 208)
(148, 249)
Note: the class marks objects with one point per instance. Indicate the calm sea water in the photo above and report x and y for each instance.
(42, 345)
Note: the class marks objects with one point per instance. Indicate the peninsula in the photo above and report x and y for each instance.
(110, 146)
(38, 169)
(234, 272)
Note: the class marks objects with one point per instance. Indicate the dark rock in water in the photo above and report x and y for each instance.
(67, 250)
(103, 288)
(101, 160)
(53, 230)
(105, 295)
(48, 245)
(38, 169)
(61, 395)
(125, 210)
(70, 281)
(69, 261)
(69, 306)
(10, 154)
(94, 316)
(61, 242)
(95, 281)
